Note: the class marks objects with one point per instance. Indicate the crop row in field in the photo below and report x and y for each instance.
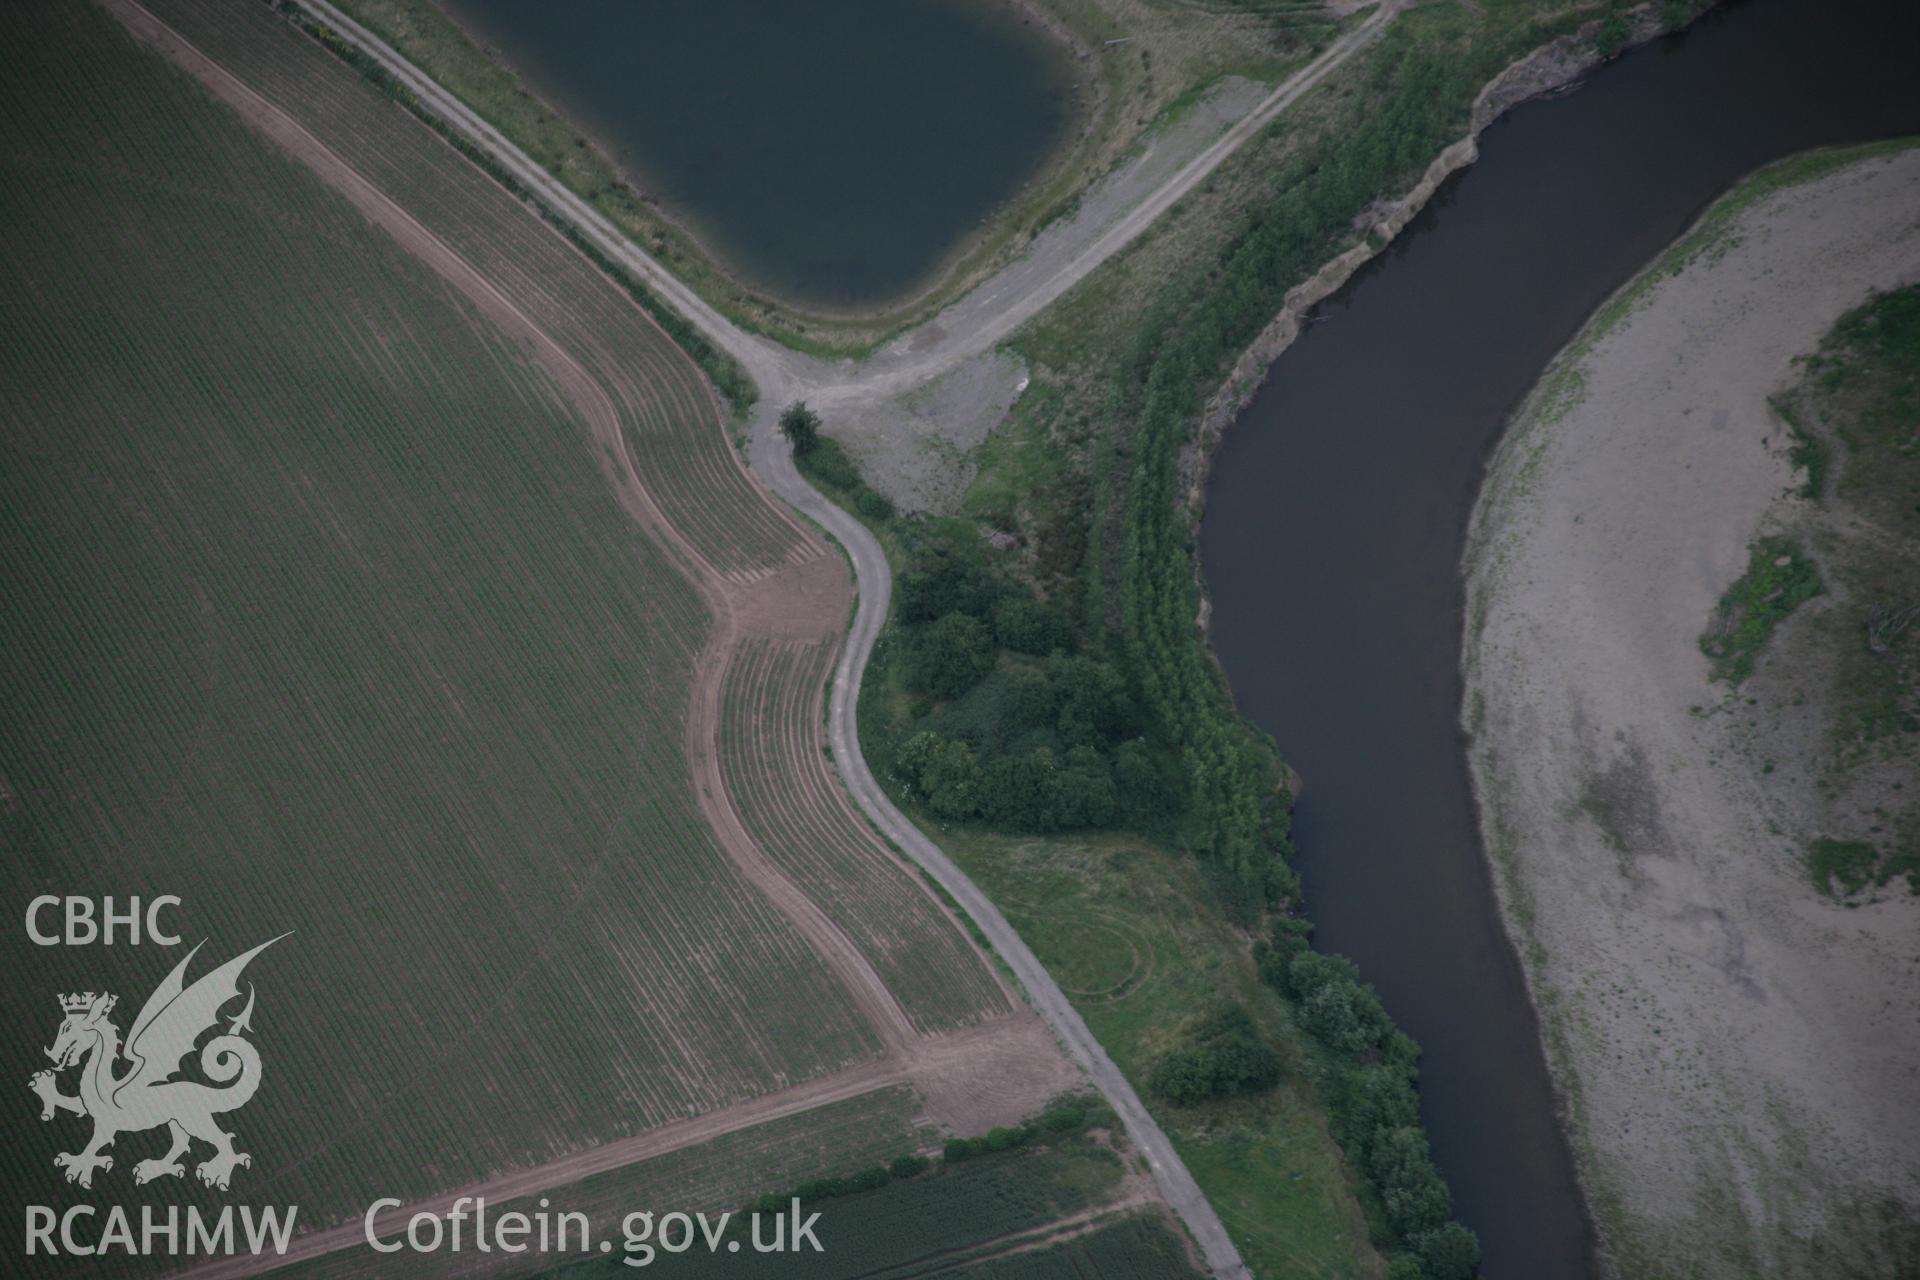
(930, 1225)
(1139, 1247)
(667, 410)
(714, 1177)
(772, 742)
(318, 614)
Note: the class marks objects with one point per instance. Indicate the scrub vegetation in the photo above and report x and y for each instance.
(1779, 579)
(1852, 411)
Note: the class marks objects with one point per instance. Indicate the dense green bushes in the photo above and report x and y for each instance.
(1220, 1055)
(801, 426)
(1017, 725)
(1067, 1116)
(1061, 1118)
(1376, 1112)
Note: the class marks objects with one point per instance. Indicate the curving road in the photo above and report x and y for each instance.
(976, 323)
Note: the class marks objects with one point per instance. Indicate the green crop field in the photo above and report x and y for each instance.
(320, 613)
(1140, 1247)
(991, 1216)
(714, 1177)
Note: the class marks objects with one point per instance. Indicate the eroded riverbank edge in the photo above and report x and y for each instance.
(1555, 67)
(1732, 1051)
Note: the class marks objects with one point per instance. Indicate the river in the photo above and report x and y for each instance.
(833, 152)
(1338, 506)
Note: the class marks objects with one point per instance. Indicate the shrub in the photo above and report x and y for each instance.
(1778, 580)
(911, 1165)
(1613, 36)
(1404, 1266)
(1288, 936)
(950, 656)
(1000, 1139)
(946, 772)
(801, 426)
(1224, 1055)
(1449, 1253)
(1851, 862)
(941, 581)
(874, 506)
(1024, 625)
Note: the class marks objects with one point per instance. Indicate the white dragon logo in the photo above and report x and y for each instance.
(144, 1097)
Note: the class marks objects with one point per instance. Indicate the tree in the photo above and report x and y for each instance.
(801, 426)
(1345, 1015)
(1146, 791)
(1404, 1266)
(950, 656)
(1018, 791)
(1091, 697)
(1024, 625)
(1450, 1253)
(1029, 698)
(1312, 970)
(1223, 1054)
(1416, 1198)
(942, 581)
(1083, 792)
(947, 773)
(1185, 1076)
(1377, 1100)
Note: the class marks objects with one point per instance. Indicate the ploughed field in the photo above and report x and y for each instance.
(355, 596)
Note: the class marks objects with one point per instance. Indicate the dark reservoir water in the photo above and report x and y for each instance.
(1338, 506)
(832, 151)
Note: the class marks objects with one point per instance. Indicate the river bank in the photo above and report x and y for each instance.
(1554, 67)
(1734, 1050)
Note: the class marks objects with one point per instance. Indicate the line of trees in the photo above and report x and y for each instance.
(1376, 1110)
